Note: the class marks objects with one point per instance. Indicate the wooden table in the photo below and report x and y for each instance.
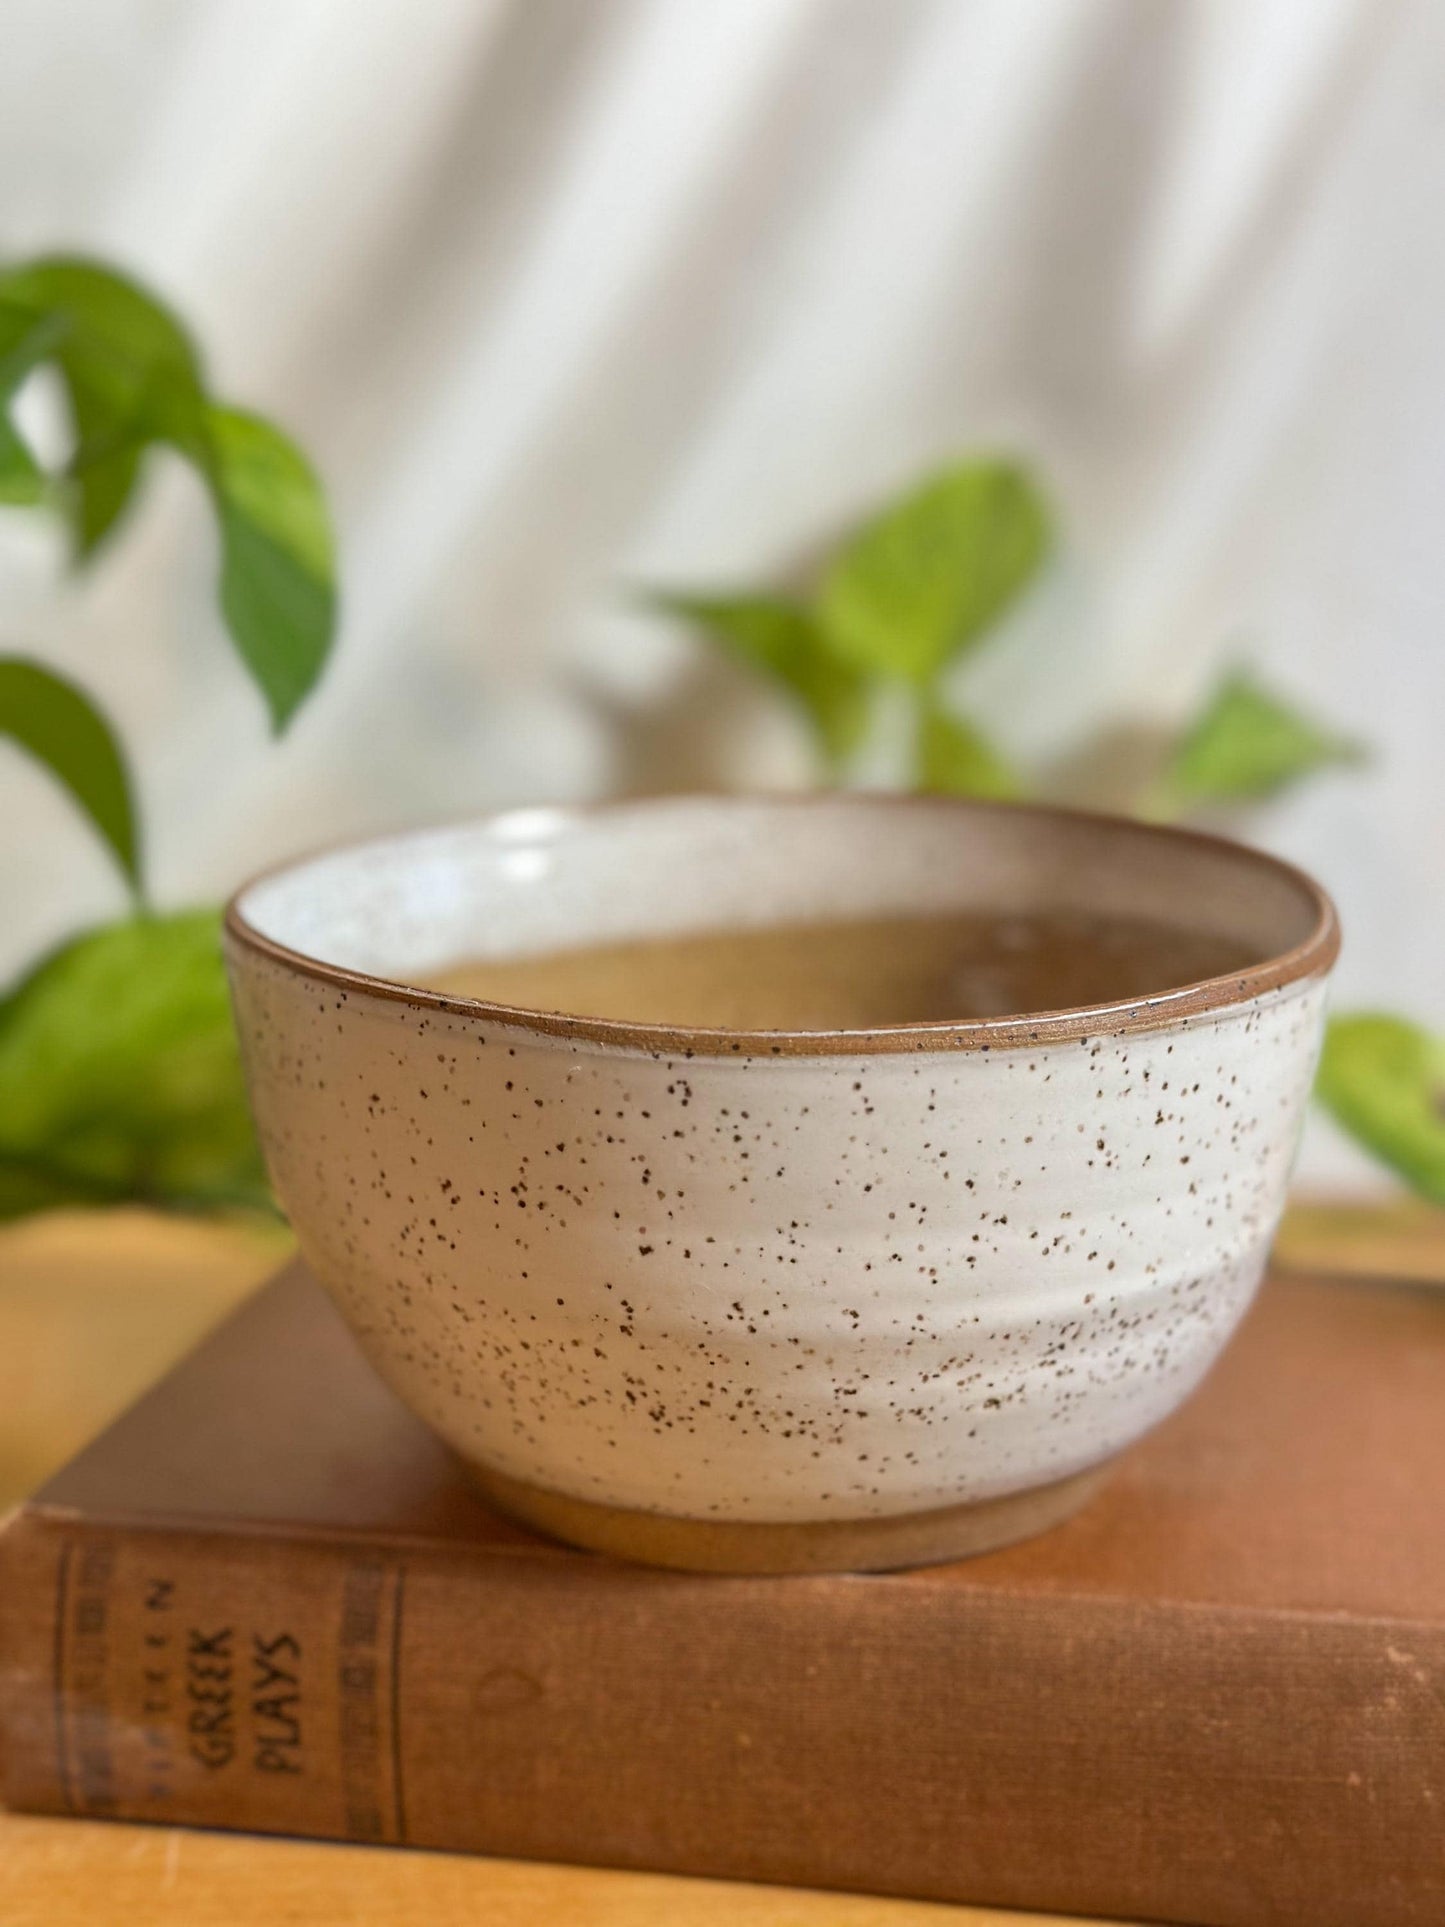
(61, 1873)
(92, 1309)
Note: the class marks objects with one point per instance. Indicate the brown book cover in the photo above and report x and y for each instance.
(266, 1598)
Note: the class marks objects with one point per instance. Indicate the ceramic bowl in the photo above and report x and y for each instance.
(777, 1300)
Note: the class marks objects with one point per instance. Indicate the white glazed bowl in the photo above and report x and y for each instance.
(776, 1301)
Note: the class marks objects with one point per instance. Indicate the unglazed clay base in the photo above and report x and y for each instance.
(829, 1545)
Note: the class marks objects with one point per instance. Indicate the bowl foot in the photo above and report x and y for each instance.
(829, 1545)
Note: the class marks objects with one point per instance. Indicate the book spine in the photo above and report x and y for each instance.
(1188, 1763)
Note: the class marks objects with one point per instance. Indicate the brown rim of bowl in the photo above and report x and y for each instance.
(1311, 958)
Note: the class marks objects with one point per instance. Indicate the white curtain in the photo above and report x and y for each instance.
(568, 296)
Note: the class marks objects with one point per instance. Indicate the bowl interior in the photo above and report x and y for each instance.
(405, 908)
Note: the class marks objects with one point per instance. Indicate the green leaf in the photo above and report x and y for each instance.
(120, 1078)
(1383, 1079)
(26, 338)
(98, 493)
(62, 728)
(782, 640)
(1246, 745)
(131, 375)
(923, 581)
(954, 759)
(24, 341)
(117, 339)
(22, 481)
(277, 575)
(134, 380)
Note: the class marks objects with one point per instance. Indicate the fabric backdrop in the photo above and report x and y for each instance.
(567, 296)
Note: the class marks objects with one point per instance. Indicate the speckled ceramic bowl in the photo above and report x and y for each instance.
(777, 1301)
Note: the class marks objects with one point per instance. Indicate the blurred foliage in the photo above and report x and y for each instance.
(25, 339)
(921, 583)
(120, 1078)
(119, 1073)
(782, 641)
(1246, 745)
(134, 383)
(954, 758)
(278, 591)
(1383, 1079)
(130, 374)
(910, 593)
(62, 728)
(915, 590)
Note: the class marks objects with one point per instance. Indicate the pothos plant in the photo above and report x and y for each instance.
(119, 1075)
(891, 619)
